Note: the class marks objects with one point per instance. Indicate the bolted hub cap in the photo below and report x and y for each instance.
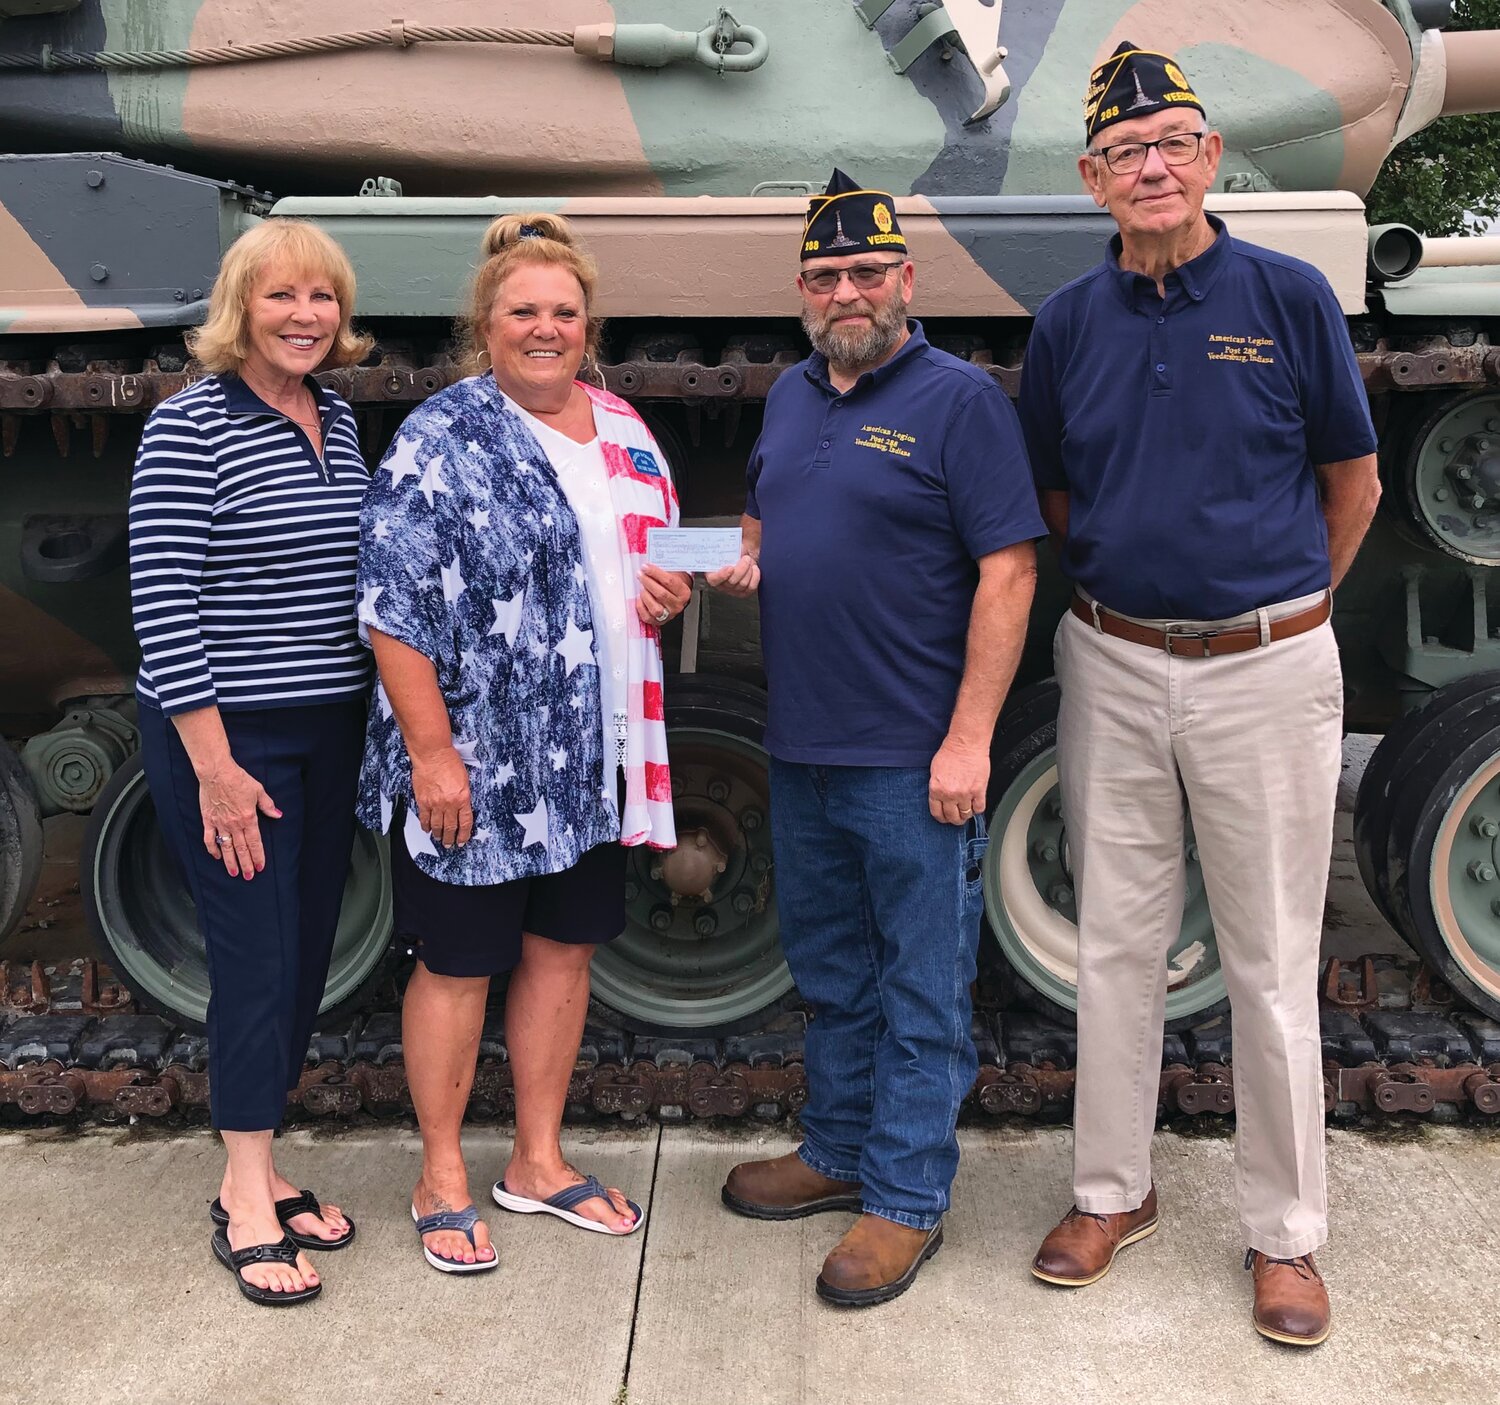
(700, 947)
(1453, 478)
(691, 869)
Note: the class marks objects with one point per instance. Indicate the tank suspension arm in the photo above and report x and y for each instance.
(643, 45)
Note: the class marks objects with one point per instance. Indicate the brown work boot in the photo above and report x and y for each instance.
(1291, 1299)
(877, 1260)
(1082, 1248)
(786, 1188)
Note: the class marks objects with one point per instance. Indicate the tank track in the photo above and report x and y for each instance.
(74, 1047)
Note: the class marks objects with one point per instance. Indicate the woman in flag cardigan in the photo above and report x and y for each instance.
(517, 741)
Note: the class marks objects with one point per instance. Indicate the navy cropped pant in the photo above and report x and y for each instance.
(269, 941)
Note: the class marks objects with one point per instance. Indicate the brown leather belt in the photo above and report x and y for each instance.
(1205, 643)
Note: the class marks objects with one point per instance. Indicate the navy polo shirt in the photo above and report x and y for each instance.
(1185, 429)
(875, 505)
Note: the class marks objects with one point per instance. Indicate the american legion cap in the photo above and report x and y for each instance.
(1134, 82)
(846, 219)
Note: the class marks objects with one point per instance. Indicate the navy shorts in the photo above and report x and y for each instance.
(476, 931)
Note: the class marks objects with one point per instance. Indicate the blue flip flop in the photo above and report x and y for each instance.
(461, 1220)
(563, 1203)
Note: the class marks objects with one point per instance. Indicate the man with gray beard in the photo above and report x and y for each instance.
(889, 528)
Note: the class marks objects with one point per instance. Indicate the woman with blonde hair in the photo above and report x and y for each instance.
(244, 533)
(518, 743)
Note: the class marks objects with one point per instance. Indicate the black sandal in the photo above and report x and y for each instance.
(282, 1252)
(304, 1204)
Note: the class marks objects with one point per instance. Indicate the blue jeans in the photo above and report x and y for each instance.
(879, 906)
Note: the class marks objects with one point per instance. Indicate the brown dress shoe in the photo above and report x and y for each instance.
(1291, 1299)
(877, 1260)
(1082, 1248)
(786, 1188)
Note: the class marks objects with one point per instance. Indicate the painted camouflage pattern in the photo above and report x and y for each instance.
(478, 119)
(734, 257)
(543, 125)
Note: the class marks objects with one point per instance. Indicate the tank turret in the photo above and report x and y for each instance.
(587, 98)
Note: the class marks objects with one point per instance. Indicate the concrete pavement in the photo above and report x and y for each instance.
(108, 1292)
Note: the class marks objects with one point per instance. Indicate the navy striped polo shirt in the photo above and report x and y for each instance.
(243, 552)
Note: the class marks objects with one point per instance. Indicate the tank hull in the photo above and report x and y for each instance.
(689, 187)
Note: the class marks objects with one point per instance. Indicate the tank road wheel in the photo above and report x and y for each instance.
(1029, 903)
(700, 950)
(20, 840)
(141, 911)
(1451, 474)
(1443, 852)
(1401, 749)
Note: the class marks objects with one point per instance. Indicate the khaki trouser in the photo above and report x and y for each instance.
(1251, 741)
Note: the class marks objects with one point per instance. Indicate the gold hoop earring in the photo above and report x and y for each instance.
(483, 359)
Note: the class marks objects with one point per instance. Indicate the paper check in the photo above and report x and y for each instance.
(692, 548)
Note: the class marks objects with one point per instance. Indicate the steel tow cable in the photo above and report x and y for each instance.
(397, 35)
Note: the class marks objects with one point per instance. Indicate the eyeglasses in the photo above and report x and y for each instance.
(863, 275)
(1180, 149)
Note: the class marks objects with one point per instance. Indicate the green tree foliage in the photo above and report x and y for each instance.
(1446, 178)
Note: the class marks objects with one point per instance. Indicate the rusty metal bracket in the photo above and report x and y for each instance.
(145, 1097)
(1429, 993)
(1209, 1089)
(1483, 1089)
(713, 1092)
(1014, 1089)
(619, 1090)
(1386, 369)
(1401, 1089)
(102, 997)
(674, 380)
(1351, 985)
(324, 1091)
(46, 1088)
(24, 989)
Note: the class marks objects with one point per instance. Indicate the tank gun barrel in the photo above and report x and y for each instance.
(1462, 251)
(1473, 64)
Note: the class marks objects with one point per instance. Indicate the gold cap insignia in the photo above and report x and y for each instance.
(882, 217)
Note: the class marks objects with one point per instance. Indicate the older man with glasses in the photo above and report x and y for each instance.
(889, 524)
(1206, 462)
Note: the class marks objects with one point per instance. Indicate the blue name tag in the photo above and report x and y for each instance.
(645, 463)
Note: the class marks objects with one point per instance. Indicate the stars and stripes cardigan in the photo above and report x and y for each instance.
(471, 555)
(242, 553)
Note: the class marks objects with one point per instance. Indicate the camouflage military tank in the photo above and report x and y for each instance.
(683, 143)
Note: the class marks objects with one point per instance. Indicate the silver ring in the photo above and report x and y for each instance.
(965, 812)
(222, 839)
(663, 617)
